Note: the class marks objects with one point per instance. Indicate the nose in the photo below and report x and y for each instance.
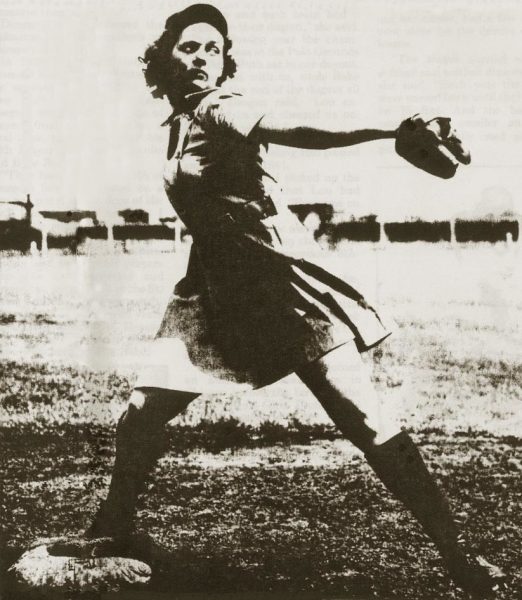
(199, 59)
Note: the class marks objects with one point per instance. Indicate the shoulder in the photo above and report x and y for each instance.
(221, 97)
(232, 110)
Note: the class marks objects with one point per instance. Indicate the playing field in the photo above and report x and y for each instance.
(258, 492)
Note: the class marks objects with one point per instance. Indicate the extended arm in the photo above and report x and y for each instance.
(273, 130)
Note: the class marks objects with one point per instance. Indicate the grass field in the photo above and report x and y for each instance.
(258, 492)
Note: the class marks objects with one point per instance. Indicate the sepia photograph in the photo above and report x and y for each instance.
(260, 299)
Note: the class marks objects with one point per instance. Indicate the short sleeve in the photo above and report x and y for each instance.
(236, 112)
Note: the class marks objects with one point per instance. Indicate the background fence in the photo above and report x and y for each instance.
(81, 231)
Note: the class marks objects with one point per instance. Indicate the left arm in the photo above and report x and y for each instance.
(274, 130)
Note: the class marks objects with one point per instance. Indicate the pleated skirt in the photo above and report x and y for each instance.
(258, 301)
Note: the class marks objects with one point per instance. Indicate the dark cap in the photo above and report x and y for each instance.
(197, 13)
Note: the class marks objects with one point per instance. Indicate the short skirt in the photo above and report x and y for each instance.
(258, 301)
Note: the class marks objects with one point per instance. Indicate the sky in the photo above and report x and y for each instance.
(79, 129)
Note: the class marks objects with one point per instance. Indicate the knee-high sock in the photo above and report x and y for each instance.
(138, 447)
(399, 465)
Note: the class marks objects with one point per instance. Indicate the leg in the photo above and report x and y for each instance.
(139, 444)
(341, 383)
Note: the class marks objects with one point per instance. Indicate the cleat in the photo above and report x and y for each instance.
(478, 578)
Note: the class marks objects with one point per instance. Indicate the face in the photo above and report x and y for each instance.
(198, 57)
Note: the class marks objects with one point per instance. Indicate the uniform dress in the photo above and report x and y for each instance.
(258, 300)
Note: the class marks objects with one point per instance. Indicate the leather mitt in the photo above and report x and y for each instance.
(432, 146)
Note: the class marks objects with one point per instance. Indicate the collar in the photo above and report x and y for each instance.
(189, 103)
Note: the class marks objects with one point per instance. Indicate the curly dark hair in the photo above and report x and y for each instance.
(158, 71)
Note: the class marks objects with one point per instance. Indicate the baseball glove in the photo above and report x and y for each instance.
(432, 146)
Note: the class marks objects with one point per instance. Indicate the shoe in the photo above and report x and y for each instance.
(105, 525)
(400, 467)
(142, 546)
(81, 547)
(136, 545)
(477, 577)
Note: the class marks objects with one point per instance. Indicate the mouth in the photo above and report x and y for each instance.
(198, 74)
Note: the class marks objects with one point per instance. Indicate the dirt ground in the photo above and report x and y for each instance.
(244, 510)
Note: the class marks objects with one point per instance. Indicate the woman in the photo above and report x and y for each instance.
(256, 303)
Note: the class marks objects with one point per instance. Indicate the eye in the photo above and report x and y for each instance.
(214, 50)
(188, 47)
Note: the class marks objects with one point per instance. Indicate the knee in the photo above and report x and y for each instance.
(137, 402)
(149, 409)
(366, 424)
(361, 434)
(134, 415)
(373, 430)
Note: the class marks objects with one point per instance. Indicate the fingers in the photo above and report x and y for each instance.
(455, 146)
(447, 134)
